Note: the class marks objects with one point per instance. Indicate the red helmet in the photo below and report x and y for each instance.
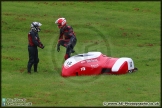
(61, 22)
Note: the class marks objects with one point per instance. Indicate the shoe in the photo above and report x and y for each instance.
(35, 67)
(29, 72)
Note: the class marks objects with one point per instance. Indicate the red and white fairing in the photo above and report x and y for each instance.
(95, 63)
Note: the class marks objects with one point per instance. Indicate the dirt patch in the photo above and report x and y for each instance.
(149, 45)
(17, 95)
(146, 10)
(22, 70)
(121, 28)
(3, 22)
(96, 42)
(88, 24)
(20, 19)
(46, 3)
(10, 58)
(143, 45)
(8, 14)
(136, 9)
(124, 34)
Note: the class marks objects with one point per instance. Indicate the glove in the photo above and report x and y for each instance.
(58, 48)
(42, 46)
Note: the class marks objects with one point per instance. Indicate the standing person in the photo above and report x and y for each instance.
(67, 37)
(33, 42)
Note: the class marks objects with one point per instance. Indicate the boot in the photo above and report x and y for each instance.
(35, 67)
(29, 66)
(66, 56)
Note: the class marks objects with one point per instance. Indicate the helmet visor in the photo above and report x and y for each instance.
(59, 25)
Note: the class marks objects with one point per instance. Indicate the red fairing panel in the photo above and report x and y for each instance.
(95, 63)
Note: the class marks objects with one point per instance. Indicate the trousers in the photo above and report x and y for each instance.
(33, 58)
(69, 45)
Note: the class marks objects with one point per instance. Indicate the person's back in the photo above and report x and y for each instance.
(67, 32)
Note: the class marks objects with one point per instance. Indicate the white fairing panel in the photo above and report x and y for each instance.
(80, 57)
(119, 63)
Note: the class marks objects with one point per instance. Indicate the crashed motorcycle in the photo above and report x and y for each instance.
(96, 63)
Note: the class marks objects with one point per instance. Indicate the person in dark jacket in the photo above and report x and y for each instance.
(67, 37)
(33, 43)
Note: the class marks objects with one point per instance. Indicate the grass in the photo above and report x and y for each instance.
(117, 29)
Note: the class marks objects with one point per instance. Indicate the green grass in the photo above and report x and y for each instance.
(117, 29)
